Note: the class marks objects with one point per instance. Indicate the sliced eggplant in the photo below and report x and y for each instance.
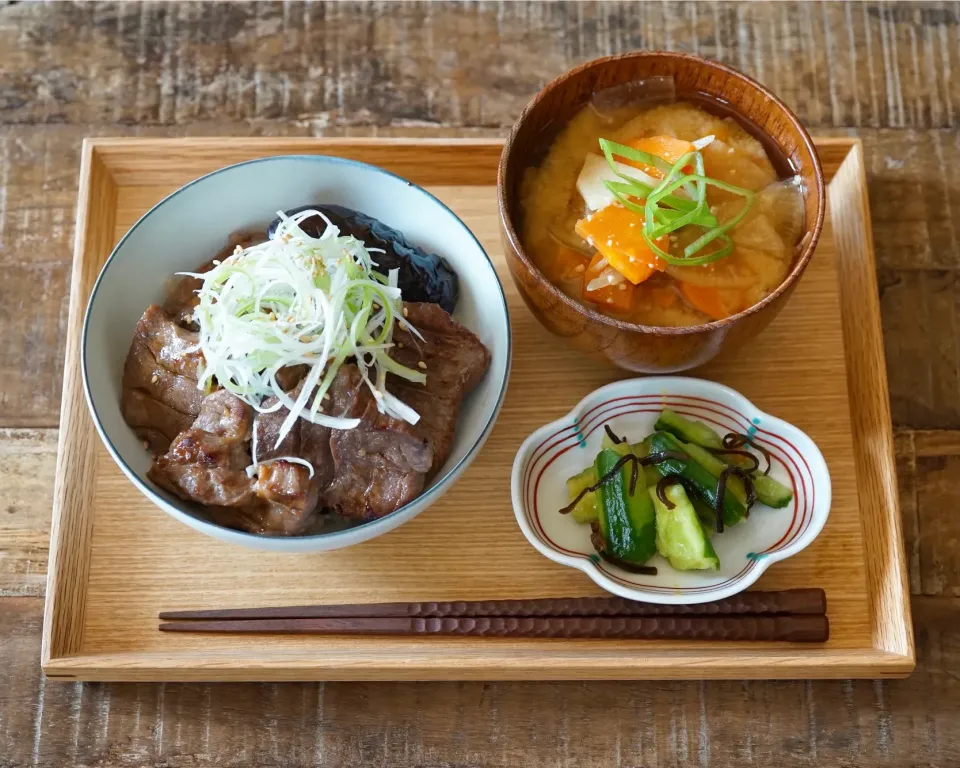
(423, 276)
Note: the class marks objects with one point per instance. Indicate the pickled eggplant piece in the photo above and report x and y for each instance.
(423, 277)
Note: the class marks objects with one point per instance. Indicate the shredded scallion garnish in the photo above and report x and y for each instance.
(300, 300)
(679, 200)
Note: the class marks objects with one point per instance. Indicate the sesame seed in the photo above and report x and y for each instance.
(609, 278)
(650, 265)
(623, 286)
(146, 445)
(406, 312)
(326, 396)
(633, 223)
(399, 345)
(154, 379)
(422, 365)
(729, 150)
(362, 452)
(632, 259)
(609, 301)
(579, 268)
(589, 217)
(609, 241)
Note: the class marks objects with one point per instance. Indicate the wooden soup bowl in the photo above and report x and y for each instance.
(642, 348)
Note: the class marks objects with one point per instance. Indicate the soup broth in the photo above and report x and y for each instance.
(586, 222)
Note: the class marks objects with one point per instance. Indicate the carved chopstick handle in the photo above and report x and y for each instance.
(793, 601)
(783, 628)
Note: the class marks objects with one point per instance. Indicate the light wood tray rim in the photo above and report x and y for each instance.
(111, 162)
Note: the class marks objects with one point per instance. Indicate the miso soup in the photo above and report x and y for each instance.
(665, 215)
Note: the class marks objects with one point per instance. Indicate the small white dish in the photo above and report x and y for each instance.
(186, 228)
(565, 447)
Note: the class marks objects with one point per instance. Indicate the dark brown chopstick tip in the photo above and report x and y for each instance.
(181, 626)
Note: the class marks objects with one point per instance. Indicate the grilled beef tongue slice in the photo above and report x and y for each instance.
(455, 361)
(160, 397)
(380, 465)
(206, 463)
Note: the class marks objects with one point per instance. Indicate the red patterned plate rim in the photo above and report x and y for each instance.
(793, 451)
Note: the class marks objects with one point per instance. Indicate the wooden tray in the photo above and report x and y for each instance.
(116, 560)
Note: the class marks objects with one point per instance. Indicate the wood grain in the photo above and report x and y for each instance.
(132, 544)
(384, 725)
(883, 70)
(867, 381)
(443, 64)
(68, 567)
(27, 457)
(923, 345)
(936, 457)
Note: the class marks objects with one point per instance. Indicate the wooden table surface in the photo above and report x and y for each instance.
(880, 71)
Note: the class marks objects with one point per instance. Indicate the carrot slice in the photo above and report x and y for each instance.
(567, 264)
(716, 303)
(616, 298)
(615, 232)
(664, 297)
(665, 147)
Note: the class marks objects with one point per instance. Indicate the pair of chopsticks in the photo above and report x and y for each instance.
(793, 615)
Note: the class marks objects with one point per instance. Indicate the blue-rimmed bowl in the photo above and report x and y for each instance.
(187, 228)
(565, 447)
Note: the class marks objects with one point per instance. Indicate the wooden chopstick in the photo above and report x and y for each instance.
(757, 603)
(790, 628)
